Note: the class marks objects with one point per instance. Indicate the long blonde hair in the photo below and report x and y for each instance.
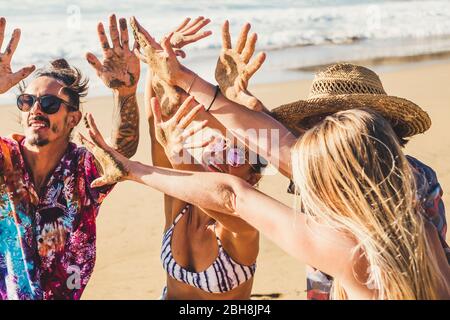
(351, 174)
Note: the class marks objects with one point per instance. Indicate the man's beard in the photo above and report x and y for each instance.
(35, 140)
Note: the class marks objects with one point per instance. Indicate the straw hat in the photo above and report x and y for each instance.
(346, 86)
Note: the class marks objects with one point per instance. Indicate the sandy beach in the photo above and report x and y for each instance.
(130, 222)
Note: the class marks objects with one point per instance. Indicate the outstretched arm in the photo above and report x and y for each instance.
(234, 70)
(234, 117)
(240, 120)
(230, 195)
(120, 71)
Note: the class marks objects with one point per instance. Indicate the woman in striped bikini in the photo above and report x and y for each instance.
(207, 255)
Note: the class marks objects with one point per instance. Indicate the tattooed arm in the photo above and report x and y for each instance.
(125, 130)
(120, 71)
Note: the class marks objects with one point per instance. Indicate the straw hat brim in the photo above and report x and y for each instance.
(406, 117)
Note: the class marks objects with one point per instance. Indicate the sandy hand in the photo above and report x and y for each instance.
(160, 58)
(120, 68)
(113, 165)
(9, 79)
(233, 70)
(170, 97)
(188, 32)
(173, 133)
(163, 64)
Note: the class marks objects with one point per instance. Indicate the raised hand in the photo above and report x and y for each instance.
(173, 133)
(188, 32)
(120, 68)
(163, 64)
(113, 165)
(9, 79)
(160, 57)
(234, 68)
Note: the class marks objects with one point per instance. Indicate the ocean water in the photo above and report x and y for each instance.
(294, 33)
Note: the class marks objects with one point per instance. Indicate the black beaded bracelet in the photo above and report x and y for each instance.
(214, 99)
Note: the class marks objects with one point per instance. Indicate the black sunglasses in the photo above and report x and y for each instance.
(49, 103)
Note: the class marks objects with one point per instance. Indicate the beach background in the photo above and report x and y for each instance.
(406, 42)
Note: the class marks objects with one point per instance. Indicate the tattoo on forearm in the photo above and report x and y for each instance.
(125, 132)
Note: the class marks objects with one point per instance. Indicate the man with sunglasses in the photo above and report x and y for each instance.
(48, 208)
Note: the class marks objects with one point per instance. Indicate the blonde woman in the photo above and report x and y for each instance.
(337, 87)
(361, 223)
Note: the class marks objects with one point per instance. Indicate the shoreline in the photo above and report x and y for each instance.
(271, 73)
(394, 62)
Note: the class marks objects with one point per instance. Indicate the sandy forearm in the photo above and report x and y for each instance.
(212, 191)
(232, 196)
(215, 191)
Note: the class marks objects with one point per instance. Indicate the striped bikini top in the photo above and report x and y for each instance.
(223, 275)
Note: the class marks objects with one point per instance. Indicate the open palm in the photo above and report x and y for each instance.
(173, 133)
(233, 70)
(9, 79)
(120, 68)
(112, 164)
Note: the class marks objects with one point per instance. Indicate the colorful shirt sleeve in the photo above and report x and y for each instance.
(19, 274)
(430, 195)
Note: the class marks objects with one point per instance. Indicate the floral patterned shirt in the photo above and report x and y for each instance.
(47, 242)
(430, 195)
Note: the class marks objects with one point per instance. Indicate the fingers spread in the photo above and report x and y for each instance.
(103, 39)
(190, 116)
(124, 33)
(249, 49)
(198, 24)
(242, 40)
(18, 76)
(193, 130)
(94, 133)
(199, 144)
(196, 37)
(183, 24)
(114, 32)
(94, 62)
(254, 65)
(183, 109)
(2, 30)
(12, 45)
(85, 142)
(226, 38)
